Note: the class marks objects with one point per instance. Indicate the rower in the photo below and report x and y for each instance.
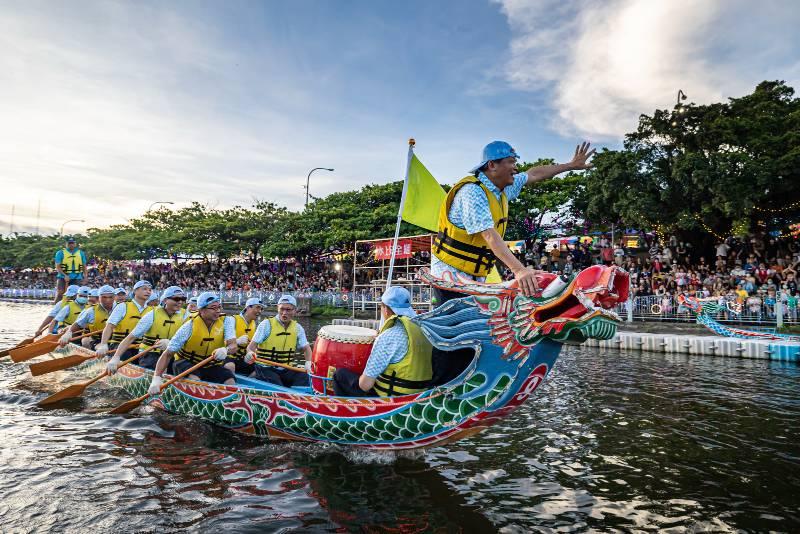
(472, 221)
(120, 295)
(400, 361)
(70, 293)
(153, 301)
(196, 340)
(92, 319)
(72, 309)
(70, 263)
(156, 327)
(243, 362)
(123, 319)
(277, 339)
(94, 295)
(191, 308)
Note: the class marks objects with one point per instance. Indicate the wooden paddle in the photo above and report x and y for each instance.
(131, 404)
(276, 364)
(76, 390)
(51, 366)
(22, 343)
(23, 354)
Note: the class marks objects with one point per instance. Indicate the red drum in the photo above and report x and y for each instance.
(339, 346)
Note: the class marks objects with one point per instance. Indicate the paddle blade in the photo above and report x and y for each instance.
(23, 354)
(51, 366)
(128, 406)
(4, 352)
(26, 341)
(70, 392)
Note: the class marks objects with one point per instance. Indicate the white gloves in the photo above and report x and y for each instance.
(155, 385)
(221, 353)
(101, 349)
(242, 341)
(64, 339)
(162, 344)
(250, 357)
(86, 342)
(112, 364)
(308, 367)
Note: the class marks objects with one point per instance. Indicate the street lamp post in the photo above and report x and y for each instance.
(61, 232)
(308, 178)
(159, 202)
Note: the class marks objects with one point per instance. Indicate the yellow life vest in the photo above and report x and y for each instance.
(164, 327)
(470, 254)
(203, 341)
(243, 328)
(413, 373)
(72, 262)
(128, 323)
(99, 323)
(281, 344)
(75, 309)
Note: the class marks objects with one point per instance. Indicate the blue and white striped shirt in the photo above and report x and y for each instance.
(265, 329)
(86, 317)
(185, 332)
(118, 313)
(470, 211)
(390, 347)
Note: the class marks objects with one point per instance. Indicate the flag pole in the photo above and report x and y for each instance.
(411, 144)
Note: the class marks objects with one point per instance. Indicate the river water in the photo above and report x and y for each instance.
(610, 441)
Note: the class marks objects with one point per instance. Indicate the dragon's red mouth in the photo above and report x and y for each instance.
(597, 289)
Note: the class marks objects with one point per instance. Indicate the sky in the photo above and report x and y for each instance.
(107, 107)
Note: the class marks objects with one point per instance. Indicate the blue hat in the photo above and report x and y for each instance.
(106, 290)
(94, 292)
(254, 301)
(152, 298)
(84, 291)
(141, 283)
(193, 299)
(206, 298)
(72, 291)
(399, 300)
(69, 239)
(287, 299)
(496, 150)
(173, 292)
(120, 291)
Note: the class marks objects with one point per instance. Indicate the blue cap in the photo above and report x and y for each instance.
(69, 239)
(287, 299)
(206, 298)
(193, 299)
(120, 291)
(399, 300)
(173, 292)
(141, 283)
(152, 298)
(106, 290)
(94, 292)
(84, 291)
(72, 291)
(496, 150)
(254, 301)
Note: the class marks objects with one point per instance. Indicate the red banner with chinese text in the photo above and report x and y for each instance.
(383, 249)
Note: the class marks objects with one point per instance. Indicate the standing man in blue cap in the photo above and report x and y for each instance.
(200, 337)
(70, 263)
(92, 318)
(277, 339)
(244, 323)
(400, 361)
(155, 328)
(472, 222)
(123, 319)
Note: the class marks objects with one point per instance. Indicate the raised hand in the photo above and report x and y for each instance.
(582, 154)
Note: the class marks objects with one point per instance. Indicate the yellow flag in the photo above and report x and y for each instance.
(423, 198)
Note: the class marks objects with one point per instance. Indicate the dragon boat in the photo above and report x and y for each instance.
(516, 339)
(705, 309)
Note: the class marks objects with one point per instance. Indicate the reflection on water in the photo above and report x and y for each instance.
(611, 441)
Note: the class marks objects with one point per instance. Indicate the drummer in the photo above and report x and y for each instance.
(400, 361)
(156, 327)
(92, 318)
(72, 309)
(244, 323)
(277, 339)
(200, 337)
(70, 293)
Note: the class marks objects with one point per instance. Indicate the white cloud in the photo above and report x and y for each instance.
(607, 62)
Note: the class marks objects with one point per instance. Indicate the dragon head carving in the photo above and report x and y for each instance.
(563, 310)
(708, 306)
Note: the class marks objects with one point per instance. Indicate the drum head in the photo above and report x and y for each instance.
(347, 333)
